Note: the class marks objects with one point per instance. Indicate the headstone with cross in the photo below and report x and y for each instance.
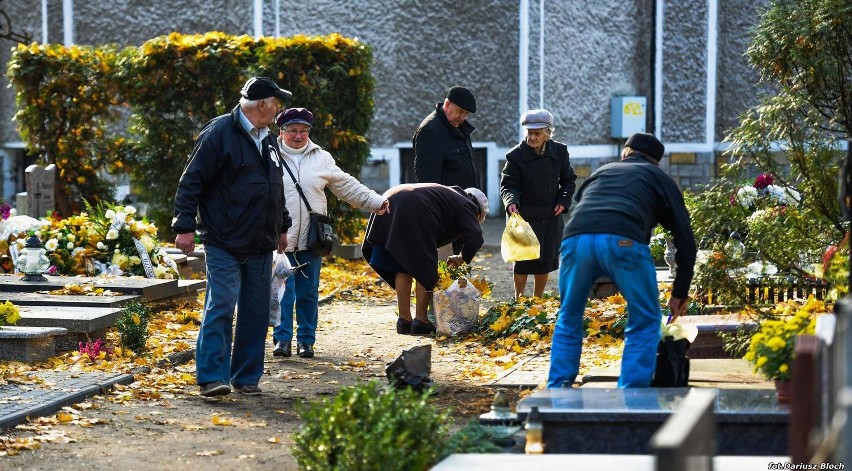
(39, 183)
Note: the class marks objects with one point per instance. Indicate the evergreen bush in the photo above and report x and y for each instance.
(132, 326)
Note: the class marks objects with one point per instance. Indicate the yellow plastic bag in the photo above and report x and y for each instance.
(519, 242)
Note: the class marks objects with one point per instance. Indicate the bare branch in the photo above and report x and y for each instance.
(6, 31)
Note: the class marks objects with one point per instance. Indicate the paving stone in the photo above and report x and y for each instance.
(50, 391)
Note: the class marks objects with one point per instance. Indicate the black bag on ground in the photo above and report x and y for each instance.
(411, 369)
(672, 369)
(320, 233)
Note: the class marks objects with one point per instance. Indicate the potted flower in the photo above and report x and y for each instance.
(771, 348)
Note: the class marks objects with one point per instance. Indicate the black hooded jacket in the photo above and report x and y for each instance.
(237, 190)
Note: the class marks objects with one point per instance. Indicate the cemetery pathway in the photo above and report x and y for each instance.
(182, 430)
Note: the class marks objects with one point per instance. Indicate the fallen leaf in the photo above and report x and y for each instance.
(210, 453)
(221, 421)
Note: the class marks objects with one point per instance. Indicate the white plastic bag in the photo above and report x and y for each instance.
(457, 308)
(281, 270)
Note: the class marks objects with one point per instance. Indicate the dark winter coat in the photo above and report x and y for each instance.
(536, 184)
(444, 154)
(237, 190)
(423, 217)
(629, 198)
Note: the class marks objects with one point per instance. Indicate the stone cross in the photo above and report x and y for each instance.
(39, 183)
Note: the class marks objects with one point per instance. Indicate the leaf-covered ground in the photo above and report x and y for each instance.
(356, 338)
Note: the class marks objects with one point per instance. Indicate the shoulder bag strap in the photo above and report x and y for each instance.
(298, 187)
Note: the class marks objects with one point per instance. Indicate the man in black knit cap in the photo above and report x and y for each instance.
(608, 234)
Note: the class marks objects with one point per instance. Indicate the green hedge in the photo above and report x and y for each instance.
(168, 88)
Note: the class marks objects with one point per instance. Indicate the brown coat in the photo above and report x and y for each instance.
(423, 217)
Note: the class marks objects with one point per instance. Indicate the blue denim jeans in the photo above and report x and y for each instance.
(628, 264)
(301, 290)
(232, 281)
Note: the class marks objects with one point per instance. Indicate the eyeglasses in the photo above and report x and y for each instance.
(296, 132)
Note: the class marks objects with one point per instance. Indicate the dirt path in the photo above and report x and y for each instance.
(355, 341)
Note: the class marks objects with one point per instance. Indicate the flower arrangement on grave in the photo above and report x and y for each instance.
(9, 314)
(765, 193)
(106, 239)
(771, 349)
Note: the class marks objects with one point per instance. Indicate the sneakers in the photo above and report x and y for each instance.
(283, 349)
(422, 328)
(403, 326)
(248, 389)
(305, 350)
(216, 388)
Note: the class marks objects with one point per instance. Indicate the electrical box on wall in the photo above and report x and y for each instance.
(627, 115)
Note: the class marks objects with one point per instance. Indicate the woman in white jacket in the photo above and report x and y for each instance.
(315, 170)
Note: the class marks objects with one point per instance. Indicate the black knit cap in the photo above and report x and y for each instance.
(258, 88)
(646, 144)
(463, 98)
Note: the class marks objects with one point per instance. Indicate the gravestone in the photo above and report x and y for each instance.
(748, 421)
(39, 182)
(80, 323)
(28, 344)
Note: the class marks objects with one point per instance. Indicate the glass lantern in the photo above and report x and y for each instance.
(33, 261)
(501, 423)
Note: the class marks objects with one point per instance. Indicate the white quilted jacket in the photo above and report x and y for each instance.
(316, 171)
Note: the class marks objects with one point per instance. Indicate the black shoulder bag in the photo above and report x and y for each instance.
(320, 234)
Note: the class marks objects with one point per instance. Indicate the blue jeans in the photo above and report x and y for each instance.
(233, 280)
(301, 289)
(628, 264)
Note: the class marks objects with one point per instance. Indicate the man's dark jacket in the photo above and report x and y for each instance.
(444, 154)
(237, 189)
(424, 216)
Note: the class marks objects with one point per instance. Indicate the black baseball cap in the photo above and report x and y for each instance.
(258, 88)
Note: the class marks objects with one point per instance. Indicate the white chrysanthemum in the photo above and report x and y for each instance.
(130, 210)
(746, 195)
(120, 217)
(71, 237)
(69, 246)
(112, 234)
(777, 194)
(101, 246)
(51, 245)
(109, 214)
(758, 215)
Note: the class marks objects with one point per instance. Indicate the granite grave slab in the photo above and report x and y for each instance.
(81, 323)
(150, 289)
(28, 344)
(588, 420)
(597, 462)
(70, 300)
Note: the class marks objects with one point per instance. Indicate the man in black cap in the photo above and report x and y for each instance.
(608, 234)
(233, 181)
(443, 152)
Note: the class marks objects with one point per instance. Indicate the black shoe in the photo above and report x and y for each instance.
(304, 350)
(215, 388)
(422, 328)
(403, 326)
(249, 389)
(283, 349)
